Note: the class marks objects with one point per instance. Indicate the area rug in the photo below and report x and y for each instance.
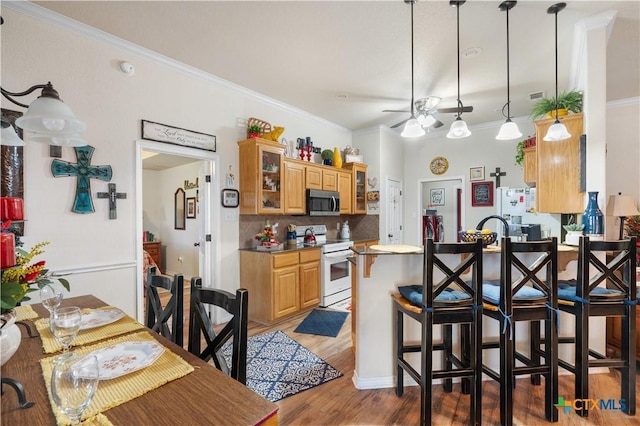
(278, 366)
(343, 306)
(322, 322)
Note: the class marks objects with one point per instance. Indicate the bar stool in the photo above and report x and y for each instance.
(448, 301)
(530, 294)
(583, 298)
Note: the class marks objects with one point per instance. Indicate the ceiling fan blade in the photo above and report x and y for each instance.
(400, 123)
(455, 110)
(437, 124)
(395, 110)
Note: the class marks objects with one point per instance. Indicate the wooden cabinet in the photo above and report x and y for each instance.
(321, 177)
(294, 190)
(280, 284)
(358, 187)
(154, 250)
(558, 168)
(530, 166)
(261, 164)
(344, 188)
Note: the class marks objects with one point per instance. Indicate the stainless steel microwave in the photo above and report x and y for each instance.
(323, 203)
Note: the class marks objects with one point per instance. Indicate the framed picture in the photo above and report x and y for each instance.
(482, 194)
(179, 209)
(175, 135)
(230, 198)
(191, 208)
(436, 197)
(476, 173)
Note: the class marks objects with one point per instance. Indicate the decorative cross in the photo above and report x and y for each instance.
(112, 195)
(497, 175)
(83, 171)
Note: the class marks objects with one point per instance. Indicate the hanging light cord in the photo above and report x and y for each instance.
(556, 37)
(412, 98)
(508, 92)
(458, 41)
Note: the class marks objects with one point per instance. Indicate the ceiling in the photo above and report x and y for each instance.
(346, 61)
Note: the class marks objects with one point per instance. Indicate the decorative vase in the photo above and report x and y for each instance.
(327, 162)
(561, 112)
(337, 158)
(592, 218)
(10, 336)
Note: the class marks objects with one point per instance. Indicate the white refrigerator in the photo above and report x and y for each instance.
(519, 204)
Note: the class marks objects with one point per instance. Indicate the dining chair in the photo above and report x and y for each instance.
(585, 298)
(526, 292)
(166, 320)
(443, 298)
(200, 325)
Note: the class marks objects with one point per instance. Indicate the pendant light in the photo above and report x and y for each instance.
(557, 131)
(8, 136)
(412, 129)
(458, 128)
(509, 130)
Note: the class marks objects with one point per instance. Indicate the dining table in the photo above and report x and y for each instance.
(202, 395)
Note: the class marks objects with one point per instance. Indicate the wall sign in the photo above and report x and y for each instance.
(482, 194)
(437, 197)
(177, 136)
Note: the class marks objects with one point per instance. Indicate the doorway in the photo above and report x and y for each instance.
(443, 197)
(200, 219)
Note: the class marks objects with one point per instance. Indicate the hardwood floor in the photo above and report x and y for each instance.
(338, 402)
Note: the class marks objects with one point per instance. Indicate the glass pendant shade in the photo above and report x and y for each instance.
(412, 129)
(9, 137)
(60, 140)
(509, 130)
(426, 120)
(557, 132)
(49, 116)
(458, 129)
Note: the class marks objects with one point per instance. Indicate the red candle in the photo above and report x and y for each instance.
(7, 250)
(11, 208)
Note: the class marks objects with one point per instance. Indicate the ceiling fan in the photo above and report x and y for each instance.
(427, 113)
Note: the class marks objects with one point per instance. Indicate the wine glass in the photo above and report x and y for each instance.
(73, 385)
(65, 326)
(51, 298)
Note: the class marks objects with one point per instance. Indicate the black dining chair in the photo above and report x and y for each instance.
(443, 298)
(236, 328)
(585, 298)
(526, 292)
(158, 317)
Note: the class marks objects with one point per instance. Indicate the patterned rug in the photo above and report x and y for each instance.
(278, 366)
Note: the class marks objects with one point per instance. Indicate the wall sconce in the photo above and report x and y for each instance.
(48, 119)
(622, 206)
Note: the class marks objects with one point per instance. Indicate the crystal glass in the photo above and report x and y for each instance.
(65, 326)
(73, 385)
(51, 298)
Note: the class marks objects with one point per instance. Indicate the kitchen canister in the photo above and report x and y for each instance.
(592, 218)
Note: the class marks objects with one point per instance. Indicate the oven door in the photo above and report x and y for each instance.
(336, 277)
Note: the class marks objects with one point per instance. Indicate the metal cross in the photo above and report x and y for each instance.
(83, 171)
(112, 195)
(497, 175)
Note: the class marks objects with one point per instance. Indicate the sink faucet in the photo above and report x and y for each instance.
(504, 222)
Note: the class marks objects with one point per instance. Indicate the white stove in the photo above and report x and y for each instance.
(335, 268)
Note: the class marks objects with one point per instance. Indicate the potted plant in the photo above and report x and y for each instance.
(327, 157)
(254, 131)
(567, 102)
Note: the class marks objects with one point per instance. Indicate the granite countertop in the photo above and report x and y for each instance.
(287, 247)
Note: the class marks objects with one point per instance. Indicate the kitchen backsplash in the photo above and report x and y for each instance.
(363, 227)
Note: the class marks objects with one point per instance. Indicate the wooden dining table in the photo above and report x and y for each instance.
(205, 396)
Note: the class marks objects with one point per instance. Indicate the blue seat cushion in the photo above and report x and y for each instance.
(567, 291)
(413, 293)
(527, 294)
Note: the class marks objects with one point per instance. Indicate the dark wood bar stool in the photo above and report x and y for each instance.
(448, 301)
(157, 316)
(526, 292)
(584, 298)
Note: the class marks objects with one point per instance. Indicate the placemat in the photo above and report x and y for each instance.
(50, 345)
(396, 248)
(97, 420)
(111, 393)
(25, 312)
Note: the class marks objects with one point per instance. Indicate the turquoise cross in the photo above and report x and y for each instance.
(84, 171)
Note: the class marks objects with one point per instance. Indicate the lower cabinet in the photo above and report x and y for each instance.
(280, 284)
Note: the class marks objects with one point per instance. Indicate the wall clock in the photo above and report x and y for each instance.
(439, 165)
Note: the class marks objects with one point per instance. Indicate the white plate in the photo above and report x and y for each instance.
(99, 317)
(126, 357)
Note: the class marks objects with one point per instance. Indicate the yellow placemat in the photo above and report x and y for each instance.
(25, 312)
(97, 420)
(111, 393)
(50, 345)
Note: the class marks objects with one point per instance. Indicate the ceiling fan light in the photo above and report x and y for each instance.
(426, 120)
(9, 137)
(458, 129)
(557, 132)
(412, 129)
(509, 130)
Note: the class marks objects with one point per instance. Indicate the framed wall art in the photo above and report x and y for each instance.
(191, 208)
(476, 173)
(482, 194)
(436, 196)
(175, 135)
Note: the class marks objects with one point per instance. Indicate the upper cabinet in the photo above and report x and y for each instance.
(294, 191)
(344, 188)
(261, 163)
(359, 187)
(321, 177)
(558, 168)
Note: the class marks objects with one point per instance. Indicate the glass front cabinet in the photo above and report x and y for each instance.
(261, 164)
